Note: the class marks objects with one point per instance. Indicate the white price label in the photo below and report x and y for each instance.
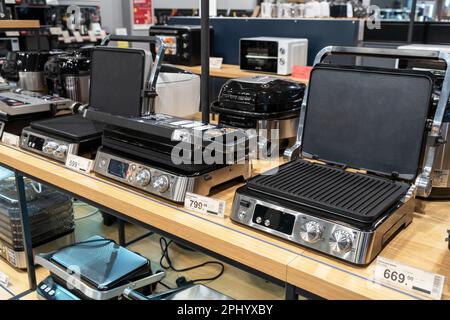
(92, 36)
(79, 163)
(78, 37)
(417, 281)
(12, 33)
(56, 31)
(11, 139)
(66, 37)
(205, 205)
(4, 279)
(215, 63)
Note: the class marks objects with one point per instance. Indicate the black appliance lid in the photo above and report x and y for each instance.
(117, 80)
(101, 262)
(73, 127)
(367, 118)
(261, 94)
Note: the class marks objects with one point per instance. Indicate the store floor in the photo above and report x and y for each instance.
(234, 282)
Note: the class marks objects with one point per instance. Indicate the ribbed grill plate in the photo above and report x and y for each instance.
(355, 196)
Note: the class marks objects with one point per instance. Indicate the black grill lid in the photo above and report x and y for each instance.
(366, 118)
(101, 262)
(355, 196)
(74, 127)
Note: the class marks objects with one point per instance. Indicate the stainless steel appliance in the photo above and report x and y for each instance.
(69, 75)
(374, 120)
(441, 167)
(51, 219)
(262, 103)
(182, 43)
(30, 67)
(7, 45)
(19, 107)
(274, 55)
(164, 155)
(58, 137)
(95, 269)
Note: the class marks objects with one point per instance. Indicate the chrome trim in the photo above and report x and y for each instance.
(72, 148)
(366, 244)
(179, 185)
(89, 291)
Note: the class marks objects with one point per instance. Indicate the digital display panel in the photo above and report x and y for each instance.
(118, 169)
(279, 221)
(36, 143)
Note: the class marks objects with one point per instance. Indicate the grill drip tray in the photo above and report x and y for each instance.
(354, 196)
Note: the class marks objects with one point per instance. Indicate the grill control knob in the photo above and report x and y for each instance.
(60, 152)
(161, 184)
(341, 241)
(282, 61)
(143, 178)
(50, 147)
(282, 50)
(311, 231)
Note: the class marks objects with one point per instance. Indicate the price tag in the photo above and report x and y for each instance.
(92, 36)
(215, 63)
(56, 31)
(78, 37)
(10, 139)
(66, 37)
(79, 164)
(420, 282)
(12, 33)
(4, 279)
(205, 205)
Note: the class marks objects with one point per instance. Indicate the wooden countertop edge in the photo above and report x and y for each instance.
(19, 24)
(240, 247)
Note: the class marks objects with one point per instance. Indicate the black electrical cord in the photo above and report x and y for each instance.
(165, 256)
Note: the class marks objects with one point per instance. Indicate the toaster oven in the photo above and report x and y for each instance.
(183, 43)
(274, 55)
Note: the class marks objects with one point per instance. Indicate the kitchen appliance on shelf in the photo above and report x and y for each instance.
(20, 107)
(8, 44)
(50, 215)
(262, 103)
(441, 168)
(375, 120)
(30, 67)
(182, 43)
(58, 137)
(274, 55)
(68, 75)
(161, 154)
(95, 269)
(177, 87)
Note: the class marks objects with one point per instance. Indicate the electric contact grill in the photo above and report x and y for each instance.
(358, 162)
(157, 153)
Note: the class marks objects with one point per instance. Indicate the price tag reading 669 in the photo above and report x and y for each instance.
(405, 277)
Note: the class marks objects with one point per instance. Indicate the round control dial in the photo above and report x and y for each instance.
(311, 231)
(143, 177)
(61, 152)
(161, 184)
(341, 241)
(50, 147)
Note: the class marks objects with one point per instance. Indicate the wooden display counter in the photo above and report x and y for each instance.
(230, 71)
(19, 24)
(421, 245)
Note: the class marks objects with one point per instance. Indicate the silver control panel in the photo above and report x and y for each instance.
(330, 237)
(152, 180)
(56, 149)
